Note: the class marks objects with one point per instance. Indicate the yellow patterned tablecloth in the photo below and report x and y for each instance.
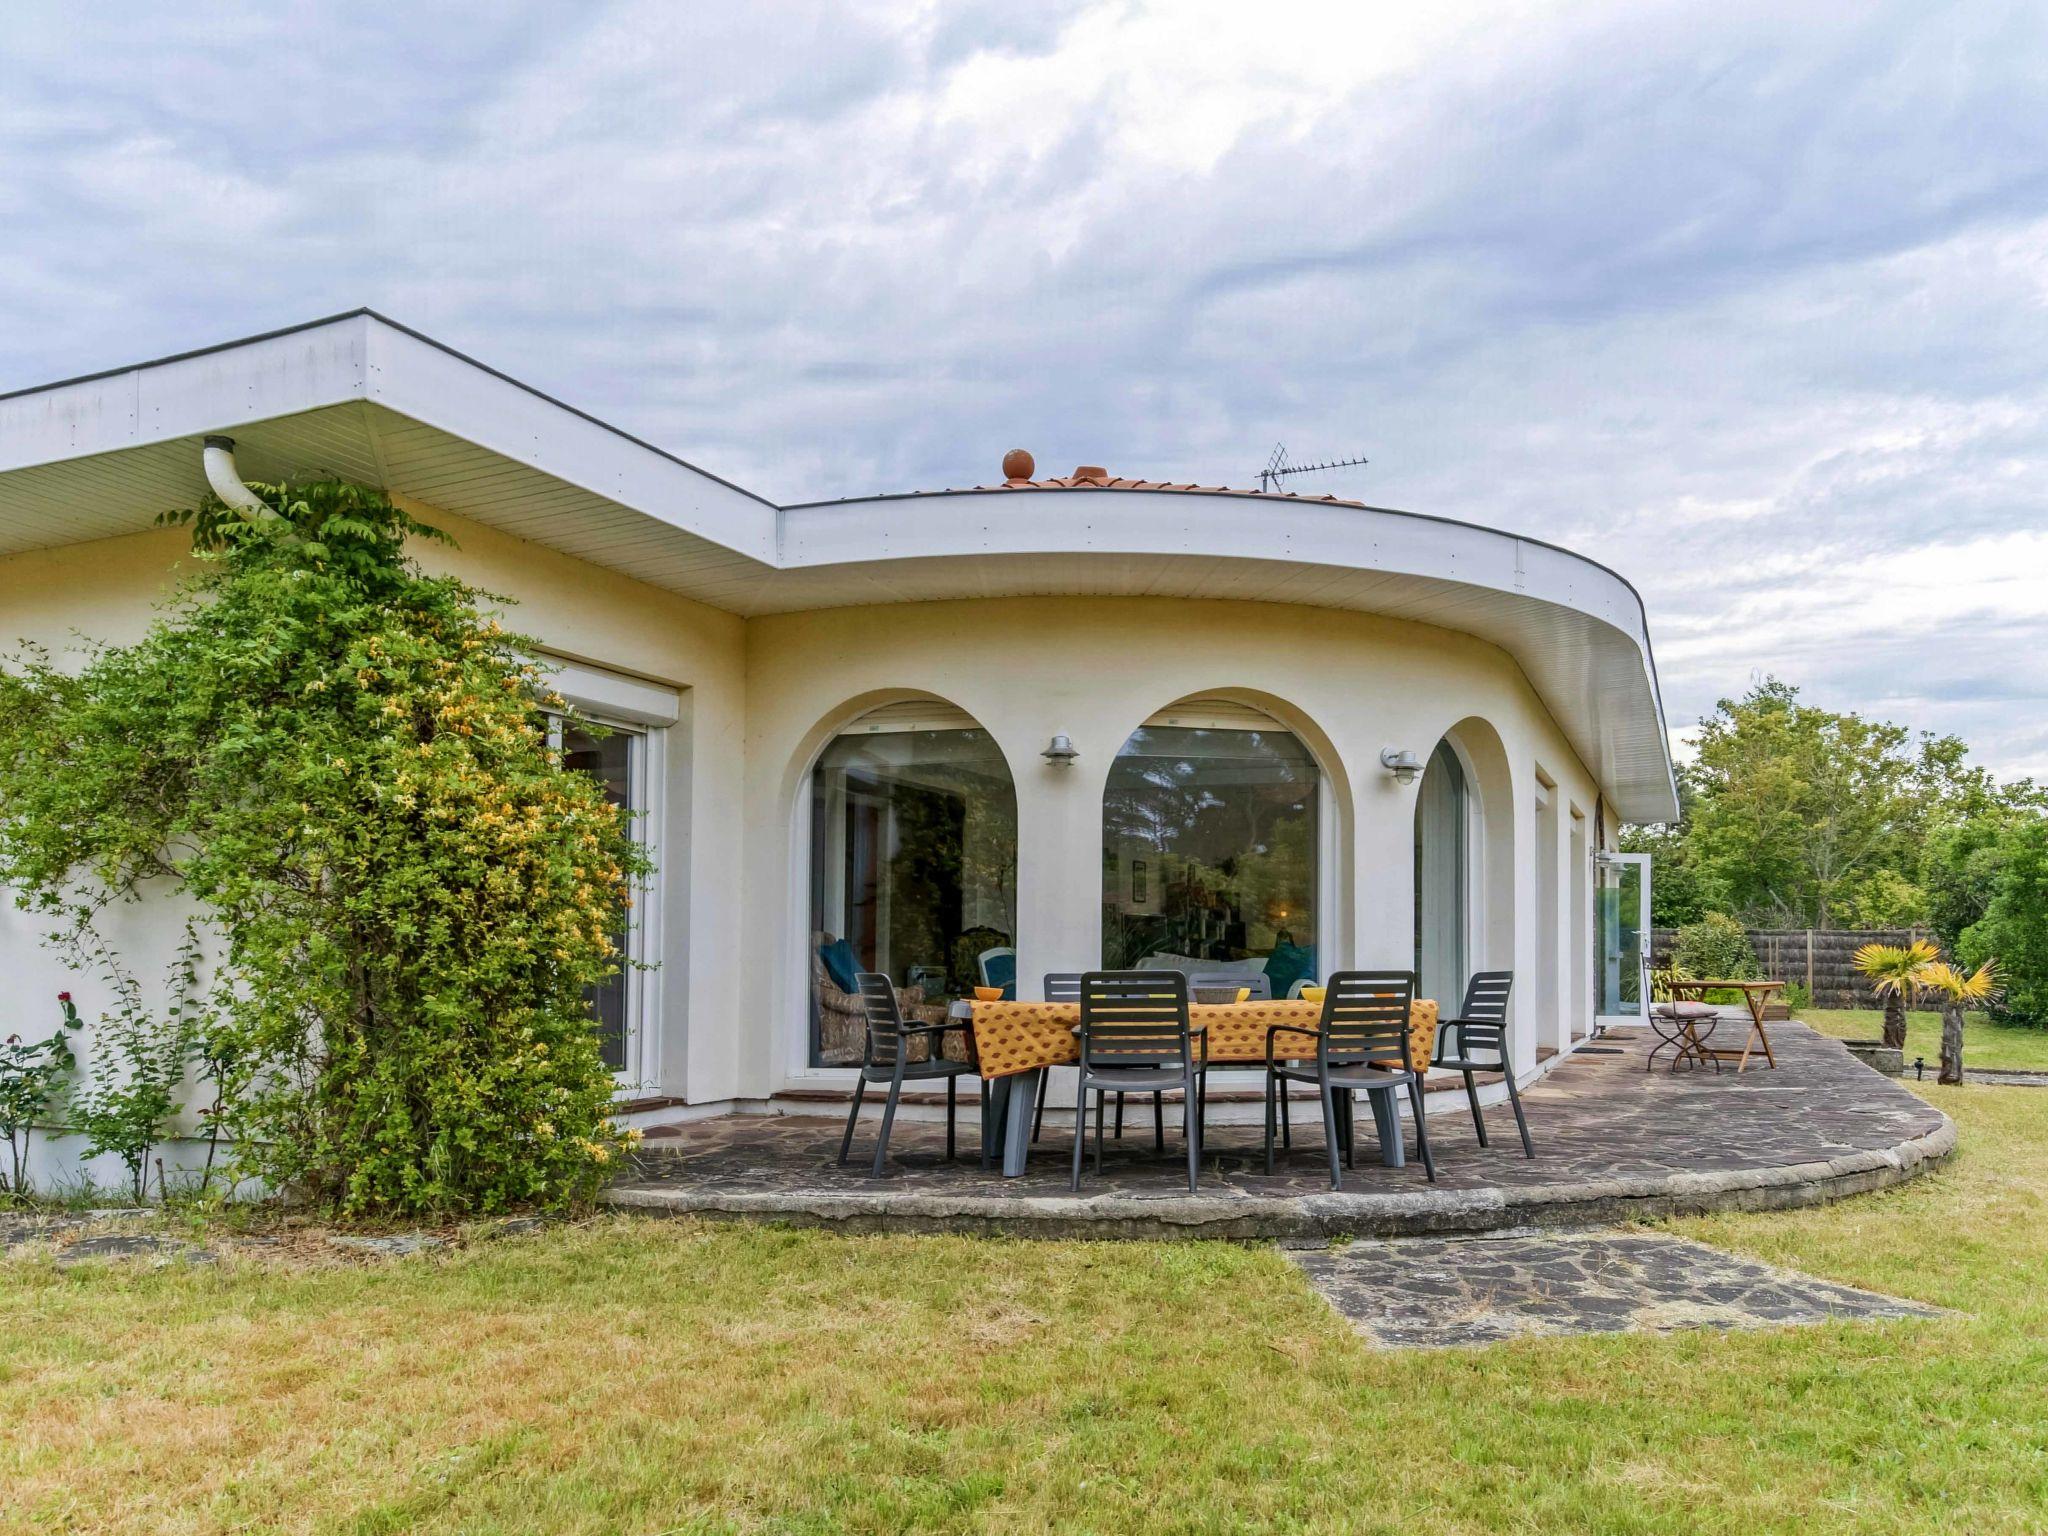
(1020, 1037)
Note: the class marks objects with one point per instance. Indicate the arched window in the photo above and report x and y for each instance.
(1443, 904)
(913, 854)
(1211, 843)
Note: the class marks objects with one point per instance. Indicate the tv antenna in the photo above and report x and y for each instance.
(1278, 469)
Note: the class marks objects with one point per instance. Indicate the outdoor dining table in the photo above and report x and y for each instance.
(1016, 1042)
(1754, 993)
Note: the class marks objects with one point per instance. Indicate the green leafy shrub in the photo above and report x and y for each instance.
(2014, 926)
(1798, 996)
(342, 761)
(138, 1064)
(1716, 946)
(33, 1079)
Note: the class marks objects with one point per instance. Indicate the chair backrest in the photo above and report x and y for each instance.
(998, 968)
(1486, 998)
(1258, 983)
(884, 1019)
(1648, 980)
(1063, 986)
(1365, 1018)
(1134, 1019)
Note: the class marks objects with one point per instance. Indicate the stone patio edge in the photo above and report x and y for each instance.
(1236, 1215)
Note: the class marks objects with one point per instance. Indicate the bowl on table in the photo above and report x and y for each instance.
(1313, 994)
(988, 994)
(1211, 997)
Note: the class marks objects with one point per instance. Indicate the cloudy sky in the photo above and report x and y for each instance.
(1748, 301)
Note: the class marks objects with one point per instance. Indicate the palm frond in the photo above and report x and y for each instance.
(1979, 986)
(1895, 967)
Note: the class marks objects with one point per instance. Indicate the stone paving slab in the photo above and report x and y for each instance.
(1614, 1142)
(1431, 1293)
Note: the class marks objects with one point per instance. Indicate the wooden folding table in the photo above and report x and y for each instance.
(1755, 994)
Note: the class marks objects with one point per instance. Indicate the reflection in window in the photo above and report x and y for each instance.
(1209, 847)
(1442, 811)
(609, 760)
(913, 872)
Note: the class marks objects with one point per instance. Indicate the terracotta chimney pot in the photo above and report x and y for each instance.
(1092, 474)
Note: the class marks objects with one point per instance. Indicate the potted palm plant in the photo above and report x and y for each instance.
(1956, 992)
(1894, 972)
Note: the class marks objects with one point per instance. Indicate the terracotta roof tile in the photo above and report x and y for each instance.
(1069, 483)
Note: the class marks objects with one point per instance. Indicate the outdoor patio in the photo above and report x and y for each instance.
(1613, 1142)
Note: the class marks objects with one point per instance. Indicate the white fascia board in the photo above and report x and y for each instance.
(1219, 526)
(362, 356)
(212, 391)
(426, 382)
(985, 526)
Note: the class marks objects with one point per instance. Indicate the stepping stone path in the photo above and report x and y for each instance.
(132, 1245)
(1432, 1292)
(398, 1245)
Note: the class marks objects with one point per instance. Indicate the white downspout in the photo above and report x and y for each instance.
(219, 457)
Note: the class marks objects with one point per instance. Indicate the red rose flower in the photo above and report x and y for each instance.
(63, 997)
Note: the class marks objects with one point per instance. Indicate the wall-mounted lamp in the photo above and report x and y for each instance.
(1401, 763)
(1061, 752)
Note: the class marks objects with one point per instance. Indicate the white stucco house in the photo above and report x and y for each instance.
(837, 720)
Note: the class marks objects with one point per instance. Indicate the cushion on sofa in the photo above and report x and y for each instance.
(841, 964)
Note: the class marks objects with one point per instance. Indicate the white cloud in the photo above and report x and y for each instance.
(1747, 301)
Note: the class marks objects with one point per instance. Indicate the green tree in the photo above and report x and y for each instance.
(1809, 818)
(2014, 926)
(338, 758)
(1967, 848)
(1678, 894)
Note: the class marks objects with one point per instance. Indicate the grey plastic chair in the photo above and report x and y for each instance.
(1364, 1023)
(1134, 1037)
(1065, 987)
(887, 1060)
(1260, 985)
(1477, 1041)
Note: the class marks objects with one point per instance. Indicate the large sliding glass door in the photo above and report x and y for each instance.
(1211, 841)
(913, 854)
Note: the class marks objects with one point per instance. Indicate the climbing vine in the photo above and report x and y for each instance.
(341, 763)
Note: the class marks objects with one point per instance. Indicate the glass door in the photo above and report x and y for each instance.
(1621, 920)
(617, 760)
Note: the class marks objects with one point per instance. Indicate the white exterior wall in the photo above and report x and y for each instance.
(1095, 669)
(757, 700)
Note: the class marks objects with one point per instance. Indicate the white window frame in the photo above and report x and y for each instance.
(1474, 895)
(1607, 859)
(1228, 715)
(643, 712)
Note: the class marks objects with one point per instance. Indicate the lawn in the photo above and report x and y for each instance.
(627, 1376)
(1985, 1044)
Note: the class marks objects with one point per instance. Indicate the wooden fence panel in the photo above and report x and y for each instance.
(1820, 959)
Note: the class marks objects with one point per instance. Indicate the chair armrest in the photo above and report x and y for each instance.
(1471, 1035)
(1279, 1029)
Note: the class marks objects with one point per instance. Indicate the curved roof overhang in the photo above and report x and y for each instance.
(360, 397)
